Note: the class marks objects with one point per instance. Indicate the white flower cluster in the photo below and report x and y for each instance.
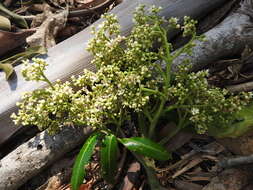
(124, 66)
(189, 26)
(128, 80)
(34, 71)
(206, 106)
(46, 108)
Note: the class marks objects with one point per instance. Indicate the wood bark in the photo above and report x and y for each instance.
(35, 155)
(230, 179)
(225, 40)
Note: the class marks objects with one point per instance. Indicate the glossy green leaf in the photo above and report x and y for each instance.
(8, 69)
(243, 123)
(29, 53)
(82, 160)
(6, 64)
(109, 153)
(17, 19)
(146, 147)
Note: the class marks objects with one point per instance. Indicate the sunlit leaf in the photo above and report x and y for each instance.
(82, 160)
(17, 19)
(5, 23)
(243, 123)
(109, 158)
(8, 69)
(29, 53)
(146, 147)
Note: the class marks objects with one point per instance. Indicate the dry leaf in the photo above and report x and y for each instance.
(54, 183)
(11, 40)
(45, 34)
(132, 177)
(90, 3)
(85, 187)
(190, 165)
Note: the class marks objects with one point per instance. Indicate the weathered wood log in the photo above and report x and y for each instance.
(225, 40)
(70, 58)
(230, 179)
(35, 155)
(16, 171)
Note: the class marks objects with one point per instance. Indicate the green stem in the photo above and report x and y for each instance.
(184, 48)
(153, 92)
(147, 114)
(155, 119)
(46, 80)
(184, 106)
(141, 125)
(168, 59)
(182, 123)
(172, 134)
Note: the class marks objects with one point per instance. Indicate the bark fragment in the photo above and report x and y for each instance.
(35, 155)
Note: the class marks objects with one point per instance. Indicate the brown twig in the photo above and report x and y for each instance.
(87, 11)
(246, 87)
(80, 12)
(232, 162)
(121, 163)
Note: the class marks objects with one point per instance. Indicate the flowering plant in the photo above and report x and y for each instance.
(133, 83)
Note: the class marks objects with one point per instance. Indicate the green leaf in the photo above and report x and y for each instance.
(82, 160)
(6, 64)
(29, 53)
(243, 123)
(17, 19)
(8, 69)
(5, 23)
(109, 153)
(146, 147)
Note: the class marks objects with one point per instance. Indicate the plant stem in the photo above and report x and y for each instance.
(141, 124)
(153, 92)
(155, 119)
(173, 133)
(46, 79)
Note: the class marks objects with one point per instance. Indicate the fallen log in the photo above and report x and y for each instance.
(35, 155)
(230, 179)
(16, 171)
(225, 40)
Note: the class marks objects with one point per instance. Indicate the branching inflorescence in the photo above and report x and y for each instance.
(131, 82)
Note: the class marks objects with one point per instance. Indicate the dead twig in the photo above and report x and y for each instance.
(232, 162)
(245, 87)
(92, 10)
(121, 164)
